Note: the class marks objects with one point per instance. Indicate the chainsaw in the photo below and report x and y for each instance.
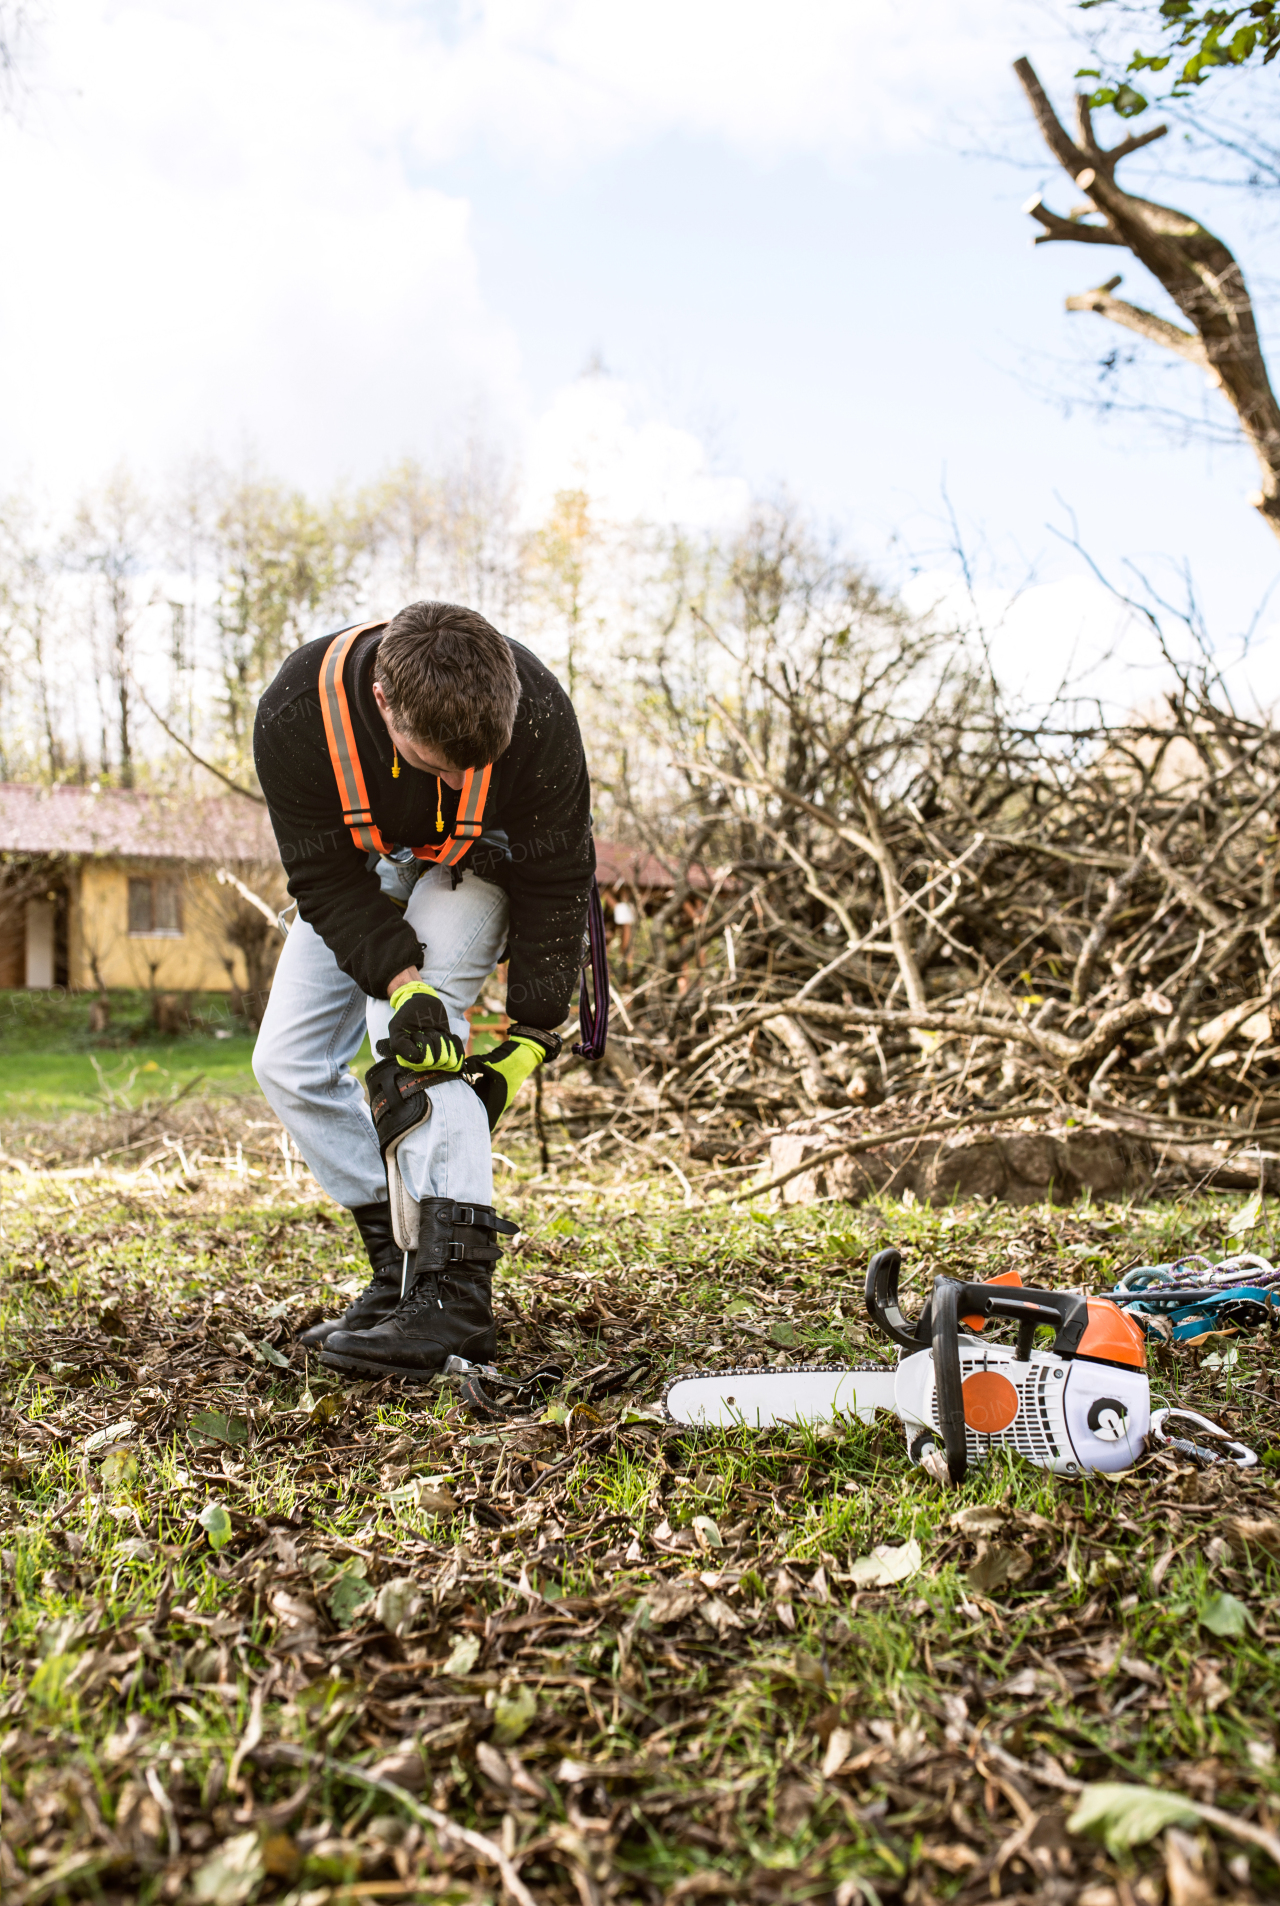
(1077, 1404)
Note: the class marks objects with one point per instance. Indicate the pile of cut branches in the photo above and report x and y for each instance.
(890, 894)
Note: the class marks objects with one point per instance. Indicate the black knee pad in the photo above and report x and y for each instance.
(398, 1100)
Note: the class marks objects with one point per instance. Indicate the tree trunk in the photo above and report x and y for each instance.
(1197, 270)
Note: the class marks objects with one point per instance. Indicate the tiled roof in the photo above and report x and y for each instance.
(135, 825)
(122, 821)
(619, 866)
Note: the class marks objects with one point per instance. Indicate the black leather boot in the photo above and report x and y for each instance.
(382, 1293)
(448, 1307)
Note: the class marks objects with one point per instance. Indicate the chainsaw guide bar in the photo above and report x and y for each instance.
(759, 1399)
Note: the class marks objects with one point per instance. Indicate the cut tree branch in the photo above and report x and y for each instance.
(1117, 894)
(873, 1141)
(1145, 323)
(1071, 229)
(448, 1831)
(804, 1057)
(1069, 1054)
(199, 760)
(1135, 143)
(899, 936)
(227, 879)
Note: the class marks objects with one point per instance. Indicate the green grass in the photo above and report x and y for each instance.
(669, 1678)
(39, 1085)
(51, 1063)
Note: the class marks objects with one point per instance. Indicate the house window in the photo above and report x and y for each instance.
(155, 908)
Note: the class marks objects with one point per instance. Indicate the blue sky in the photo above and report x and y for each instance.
(334, 233)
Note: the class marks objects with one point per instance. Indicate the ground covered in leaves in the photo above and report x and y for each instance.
(270, 1637)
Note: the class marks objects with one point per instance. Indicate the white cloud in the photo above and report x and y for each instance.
(564, 78)
(210, 243)
(1073, 639)
(222, 230)
(594, 436)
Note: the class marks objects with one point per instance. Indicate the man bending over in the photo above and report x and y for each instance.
(429, 794)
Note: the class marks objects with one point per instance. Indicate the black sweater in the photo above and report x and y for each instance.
(539, 795)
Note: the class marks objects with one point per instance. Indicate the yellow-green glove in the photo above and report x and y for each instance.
(419, 1036)
(498, 1075)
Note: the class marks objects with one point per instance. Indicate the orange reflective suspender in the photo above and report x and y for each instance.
(347, 772)
(343, 753)
(469, 825)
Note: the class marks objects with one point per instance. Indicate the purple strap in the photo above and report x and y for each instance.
(593, 1010)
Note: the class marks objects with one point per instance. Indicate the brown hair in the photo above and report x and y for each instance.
(449, 681)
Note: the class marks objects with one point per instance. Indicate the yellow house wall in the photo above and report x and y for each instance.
(188, 962)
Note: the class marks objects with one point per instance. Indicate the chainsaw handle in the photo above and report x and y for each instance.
(1065, 1312)
(948, 1393)
(881, 1295)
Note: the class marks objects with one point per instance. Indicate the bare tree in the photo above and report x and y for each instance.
(559, 566)
(188, 518)
(446, 533)
(29, 617)
(479, 512)
(17, 21)
(285, 572)
(404, 514)
(110, 544)
(236, 916)
(1195, 268)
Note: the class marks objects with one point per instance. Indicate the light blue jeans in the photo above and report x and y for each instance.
(313, 1027)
